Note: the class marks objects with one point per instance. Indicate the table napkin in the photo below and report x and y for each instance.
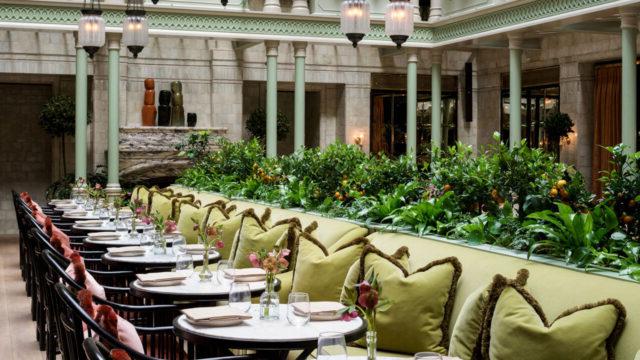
(127, 251)
(75, 213)
(106, 235)
(160, 277)
(215, 313)
(246, 275)
(89, 222)
(319, 310)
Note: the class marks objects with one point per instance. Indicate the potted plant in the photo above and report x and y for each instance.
(257, 125)
(557, 126)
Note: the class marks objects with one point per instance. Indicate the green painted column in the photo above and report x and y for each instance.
(412, 102)
(629, 88)
(113, 159)
(81, 113)
(272, 98)
(436, 99)
(515, 90)
(300, 49)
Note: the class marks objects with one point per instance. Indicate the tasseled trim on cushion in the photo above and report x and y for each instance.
(119, 354)
(107, 319)
(48, 226)
(85, 297)
(78, 268)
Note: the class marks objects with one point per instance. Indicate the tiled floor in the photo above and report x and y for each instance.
(17, 331)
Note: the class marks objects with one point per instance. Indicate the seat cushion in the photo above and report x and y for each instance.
(165, 205)
(229, 224)
(286, 280)
(421, 300)
(190, 212)
(515, 327)
(465, 338)
(314, 258)
(78, 272)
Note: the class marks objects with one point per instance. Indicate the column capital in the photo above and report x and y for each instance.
(515, 41)
(113, 41)
(629, 18)
(300, 7)
(272, 47)
(75, 39)
(300, 48)
(436, 56)
(412, 55)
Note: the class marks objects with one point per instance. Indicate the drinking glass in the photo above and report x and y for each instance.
(222, 266)
(428, 356)
(178, 245)
(298, 310)
(103, 214)
(240, 296)
(331, 346)
(184, 264)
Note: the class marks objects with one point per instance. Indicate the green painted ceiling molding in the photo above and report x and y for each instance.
(327, 29)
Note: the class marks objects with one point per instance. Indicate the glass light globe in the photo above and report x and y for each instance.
(355, 19)
(398, 21)
(135, 31)
(91, 34)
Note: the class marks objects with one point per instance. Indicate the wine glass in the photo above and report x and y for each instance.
(222, 266)
(184, 264)
(331, 346)
(178, 245)
(426, 355)
(298, 309)
(240, 296)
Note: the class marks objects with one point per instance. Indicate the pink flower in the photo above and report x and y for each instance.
(284, 253)
(140, 210)
(368, 297)
(170, 226)
(212, 231)
(220, 245)
(348, 316)
(253, 258)
(146, 220)
(98, 186)
(283, 262)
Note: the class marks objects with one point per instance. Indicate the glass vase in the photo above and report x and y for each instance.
(372, 343)
(205, 273)
(270, 301)
(159, 244)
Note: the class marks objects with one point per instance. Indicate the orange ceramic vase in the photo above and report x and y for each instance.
(149, 111)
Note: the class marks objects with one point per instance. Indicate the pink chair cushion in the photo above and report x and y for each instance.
(84, 278)
(124, 330)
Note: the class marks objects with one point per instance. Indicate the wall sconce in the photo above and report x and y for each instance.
(358, 139)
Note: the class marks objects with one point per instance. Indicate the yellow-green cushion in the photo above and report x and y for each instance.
(515, 327)
(314, 258)
(465, 337)
(255, 235)
(190, 212)
(141, 192)
(229, 226)
(422, 300)
(286, 279)
(164, 205)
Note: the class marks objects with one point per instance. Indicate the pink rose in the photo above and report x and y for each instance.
(284, 253)
(346, 317)
(283, 262)
(146, 220)
(253, 258)
(220, 245)
(170, 226)
(368, 297)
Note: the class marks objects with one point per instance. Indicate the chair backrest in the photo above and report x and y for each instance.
(94, 351)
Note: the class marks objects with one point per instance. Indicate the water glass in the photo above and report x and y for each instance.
(178, 245)
(298, 310)
(222, 266)
(103, 213)
(184, 264)
(240, 296)
(428, 356)
(331, 346)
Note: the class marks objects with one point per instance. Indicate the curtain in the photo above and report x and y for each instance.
(378, 140)
(607, 119)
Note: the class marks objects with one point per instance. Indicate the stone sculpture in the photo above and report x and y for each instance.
(177, 108)
(149, 111)
(164, 108)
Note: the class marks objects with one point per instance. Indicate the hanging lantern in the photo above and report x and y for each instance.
(135, 30)
(354, 19)
(224, 2)
(91, 34)
(398, 21)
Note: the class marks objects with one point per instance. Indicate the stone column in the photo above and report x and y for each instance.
(436, 98)
(300, 49)
(81, 112)
(416, 10)
(272, 98)
(113, 159)
(435, 12)
(226, 90)
(629, 89)
(412, 102)
(271, 6)
(300, 7)
(515, 89)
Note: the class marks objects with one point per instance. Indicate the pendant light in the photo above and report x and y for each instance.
(354, 19)
(135, 30)
(398, 21)
(91, 34)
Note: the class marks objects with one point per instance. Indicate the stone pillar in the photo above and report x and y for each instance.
(416, 10)
(81, 112)
(412, 102)
(629, 89)
(271, 6)
(576, 92)
(515, 90)
(356, 104)
(300, 49)
(436, 98)
(226, 90)
(113, 159)
(300, 7)
(272, 98)
(435, 12)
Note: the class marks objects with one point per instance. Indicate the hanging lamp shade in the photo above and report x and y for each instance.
(135, 30)
(355, 19)
(91, 35)
(398, 21)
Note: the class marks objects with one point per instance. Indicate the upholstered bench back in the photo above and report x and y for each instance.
(556, 288)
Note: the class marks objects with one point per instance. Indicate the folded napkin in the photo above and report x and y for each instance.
(319, 310)
(246, 275)
(62, 201)
(71, 206)
(107, 235)
(127, 251)
(75, 213)
(160, 277)
(90, 222)
(215, 313)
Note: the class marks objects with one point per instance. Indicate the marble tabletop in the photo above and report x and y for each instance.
(107, 226)
(125, 240)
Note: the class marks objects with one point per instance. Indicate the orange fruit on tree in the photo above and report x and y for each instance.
(447, 187)
(627, 219)
(553, 192)
(561, 183)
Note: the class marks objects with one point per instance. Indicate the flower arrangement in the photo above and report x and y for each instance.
(138, 210)
(272, 262)
(211, 237)
(161, 227)
(365, 300)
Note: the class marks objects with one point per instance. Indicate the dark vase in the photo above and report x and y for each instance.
(177, 102)
(164, 108)
(192, 119)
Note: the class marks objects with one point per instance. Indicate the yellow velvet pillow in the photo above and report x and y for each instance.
(164, 205)
(515, 327)
(190, 212)
(422, 300)
(229, 225)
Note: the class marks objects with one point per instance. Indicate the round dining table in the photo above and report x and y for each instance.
(107, 226)
(152, 261)
(125, 240)
(271, 338)
(192, 289)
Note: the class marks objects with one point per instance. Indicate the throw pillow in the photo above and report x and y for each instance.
(188, 213)
(164, 205)
(217, 215)
(78, 272)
